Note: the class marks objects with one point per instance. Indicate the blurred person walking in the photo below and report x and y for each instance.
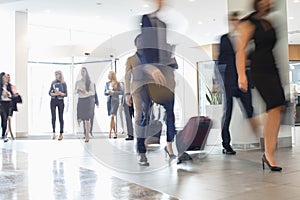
(159, 65)
(5, 102)
(16, 98)
(85, 89)
(264, 73)
(227, 66)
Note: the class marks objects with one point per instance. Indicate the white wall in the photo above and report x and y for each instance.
(7, 41)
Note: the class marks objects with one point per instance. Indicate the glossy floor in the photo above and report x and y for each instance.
(107, 169)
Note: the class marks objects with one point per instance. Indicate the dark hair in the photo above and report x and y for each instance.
(87, 79)
(255, 4)
(234, 14)
(1, 76)
(1, 83)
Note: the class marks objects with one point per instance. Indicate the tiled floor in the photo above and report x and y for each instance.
(107, 169)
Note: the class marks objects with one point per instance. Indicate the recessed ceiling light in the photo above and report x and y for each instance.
(145, 5)
(200, 22)
(191, 0)
(296, 1)
(291, 18)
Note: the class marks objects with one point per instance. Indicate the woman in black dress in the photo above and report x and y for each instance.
(5, 102)
(264, 72)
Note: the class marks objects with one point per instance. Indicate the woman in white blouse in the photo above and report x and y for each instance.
(86, 95)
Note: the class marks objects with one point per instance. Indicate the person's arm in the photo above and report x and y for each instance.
(65, 93)
(118, 90)
(106, 89)
(96, 97)
(51, 90)
(128, 75)
(155, 74)
(245, 30)
(221, 50)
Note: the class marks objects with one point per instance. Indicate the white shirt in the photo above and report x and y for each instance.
(80, 84)
(5, 91)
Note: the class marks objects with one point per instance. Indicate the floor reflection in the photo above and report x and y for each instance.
(12, 176)
(88, 179)
(59, 188)
(59, 175)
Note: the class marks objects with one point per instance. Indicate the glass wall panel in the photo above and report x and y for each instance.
(41, 77)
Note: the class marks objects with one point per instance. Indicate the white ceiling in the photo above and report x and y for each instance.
(201, 20)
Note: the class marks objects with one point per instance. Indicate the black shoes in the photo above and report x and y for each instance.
(129, 138)
(229, 151)
(272, 168)
(4, 139)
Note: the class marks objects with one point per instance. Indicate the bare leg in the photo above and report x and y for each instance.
(78, 121)
(113, 124)
(87, 135)
(254, 125)
(9, 127)
(170, 148)
(271, 131)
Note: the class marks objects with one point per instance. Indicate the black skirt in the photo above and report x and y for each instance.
(268, 84)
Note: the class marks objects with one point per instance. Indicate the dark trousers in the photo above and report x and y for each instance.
(142, 105)
(170, 121)
(5, 106)
(128, 111)
(246, 101)
(59, 103)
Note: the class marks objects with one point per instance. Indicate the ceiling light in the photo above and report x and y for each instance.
(296, 1)
(146, 6)
(200, 22)
(291, 18)
(191, 0)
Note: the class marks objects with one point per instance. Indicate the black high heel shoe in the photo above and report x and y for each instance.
(272, 168)
(172, 156)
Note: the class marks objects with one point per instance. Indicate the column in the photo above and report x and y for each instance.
(21, 72)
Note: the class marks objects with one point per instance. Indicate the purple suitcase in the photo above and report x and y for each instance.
(194, 135)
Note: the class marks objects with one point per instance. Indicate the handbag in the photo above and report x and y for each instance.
(17, 99)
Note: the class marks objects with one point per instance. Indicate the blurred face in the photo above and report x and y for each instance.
(57, 75)
(110, 76)
(8, 78)
(233, 23)
(4, 78)
(83, 72)
(265, 6)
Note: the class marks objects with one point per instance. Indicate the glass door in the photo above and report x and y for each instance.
(41, 75)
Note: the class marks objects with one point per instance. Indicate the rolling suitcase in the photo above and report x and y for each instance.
(193, 136)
